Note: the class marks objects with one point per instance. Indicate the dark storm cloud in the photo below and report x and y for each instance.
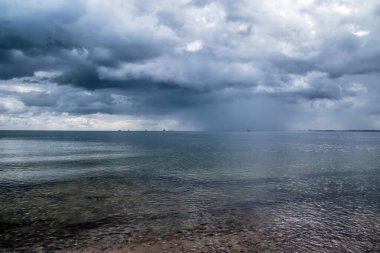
(37, 30)
(199, 57)
(52, 40)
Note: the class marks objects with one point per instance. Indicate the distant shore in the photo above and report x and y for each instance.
(331, 130)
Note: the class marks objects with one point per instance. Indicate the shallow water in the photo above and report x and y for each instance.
(279, 191)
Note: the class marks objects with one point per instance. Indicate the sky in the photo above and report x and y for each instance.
(189, 65)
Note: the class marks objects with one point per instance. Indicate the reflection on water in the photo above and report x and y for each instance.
(275, 191)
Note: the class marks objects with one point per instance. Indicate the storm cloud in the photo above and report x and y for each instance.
(204, 65)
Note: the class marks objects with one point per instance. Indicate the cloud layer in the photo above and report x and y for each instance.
(225, 65)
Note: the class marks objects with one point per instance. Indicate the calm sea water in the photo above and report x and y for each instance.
(278, 191)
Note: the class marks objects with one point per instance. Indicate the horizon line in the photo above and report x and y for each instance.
(169, 130)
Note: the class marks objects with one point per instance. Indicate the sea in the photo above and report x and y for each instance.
(300, 191)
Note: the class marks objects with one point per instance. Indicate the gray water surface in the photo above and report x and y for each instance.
(285, 191)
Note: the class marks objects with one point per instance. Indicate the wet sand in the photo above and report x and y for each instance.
(207, 243)
(256, 230)
(309, 224)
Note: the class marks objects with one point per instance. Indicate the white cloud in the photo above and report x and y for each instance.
(11, 105)
(194, 46)
(98, 121)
